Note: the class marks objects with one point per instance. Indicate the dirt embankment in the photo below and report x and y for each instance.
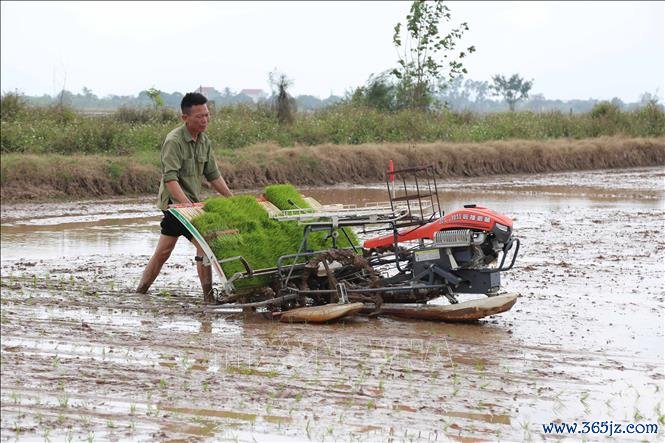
(26, 177)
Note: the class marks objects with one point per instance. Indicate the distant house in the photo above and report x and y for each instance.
(254, 94)
(206, 90)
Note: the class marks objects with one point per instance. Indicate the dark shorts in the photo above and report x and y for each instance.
(172, 227)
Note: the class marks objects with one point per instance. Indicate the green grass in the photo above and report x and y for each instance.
(61, 130)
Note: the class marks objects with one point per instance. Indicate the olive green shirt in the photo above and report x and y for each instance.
(186, 161)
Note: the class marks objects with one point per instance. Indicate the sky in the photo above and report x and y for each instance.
(571, 50)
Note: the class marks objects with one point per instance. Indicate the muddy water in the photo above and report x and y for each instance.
(84, 359)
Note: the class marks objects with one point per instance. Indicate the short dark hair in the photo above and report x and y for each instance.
(192, 99)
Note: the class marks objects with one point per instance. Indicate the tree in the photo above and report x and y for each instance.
(156, 97)
(87, 93)
(512, 90)
(425, 53)
(379, 92)
(283, 103)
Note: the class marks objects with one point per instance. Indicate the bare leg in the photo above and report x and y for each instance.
(162, 252)
(205, 275)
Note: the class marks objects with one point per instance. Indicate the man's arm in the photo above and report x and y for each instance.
(176, 192)
(220, 186)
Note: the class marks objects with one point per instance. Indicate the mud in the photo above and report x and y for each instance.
(85, 359)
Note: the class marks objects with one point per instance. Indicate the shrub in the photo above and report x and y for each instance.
(11, 105)
(651, 119)
(605, 109)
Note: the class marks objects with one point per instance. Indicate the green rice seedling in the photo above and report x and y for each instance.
(308, 430)
(637, 415)
(86, 420)
(63, 401)
(527, 431)
(259, 239)
(285, 197)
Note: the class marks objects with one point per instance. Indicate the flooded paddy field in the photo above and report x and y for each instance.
(86, 359)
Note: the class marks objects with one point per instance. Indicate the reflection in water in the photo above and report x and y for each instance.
(55, 236)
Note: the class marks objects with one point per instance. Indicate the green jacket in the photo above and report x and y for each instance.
(186, 161)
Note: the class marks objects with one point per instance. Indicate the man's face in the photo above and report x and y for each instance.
(197, 119)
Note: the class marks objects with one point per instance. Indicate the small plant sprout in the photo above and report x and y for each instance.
(63, 401)
(637, 415)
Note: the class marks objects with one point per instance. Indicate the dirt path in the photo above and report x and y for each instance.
(84, 359)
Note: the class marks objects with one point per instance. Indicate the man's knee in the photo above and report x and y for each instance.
(164, 250)
(163, 254)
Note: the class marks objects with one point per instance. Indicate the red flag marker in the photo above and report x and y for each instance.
(391, 176)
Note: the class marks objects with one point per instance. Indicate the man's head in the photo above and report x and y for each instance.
(195, 112)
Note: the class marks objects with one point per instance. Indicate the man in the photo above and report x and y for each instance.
(186, 158)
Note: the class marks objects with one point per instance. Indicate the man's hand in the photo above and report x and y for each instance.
(220, 186)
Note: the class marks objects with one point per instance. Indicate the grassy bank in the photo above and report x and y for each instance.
(32, 176)
(131, 131)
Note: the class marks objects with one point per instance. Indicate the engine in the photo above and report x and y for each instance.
(459, 250)
(466, 243)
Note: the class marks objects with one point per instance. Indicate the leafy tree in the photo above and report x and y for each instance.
(156, 97)
(479, 90)
(425, 53)
(512, 90)
(379, 92)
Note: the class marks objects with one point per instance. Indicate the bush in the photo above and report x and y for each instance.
(605, 109)
(651, 119)
(11, 105)
(60, 129)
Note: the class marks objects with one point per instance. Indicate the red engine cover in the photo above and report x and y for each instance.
(477, 218)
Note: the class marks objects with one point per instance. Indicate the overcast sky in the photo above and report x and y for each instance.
(570, 49)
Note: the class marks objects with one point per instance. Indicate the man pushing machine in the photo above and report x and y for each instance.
(186, 158)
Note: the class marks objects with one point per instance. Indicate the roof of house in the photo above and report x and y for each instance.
(252, 91)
